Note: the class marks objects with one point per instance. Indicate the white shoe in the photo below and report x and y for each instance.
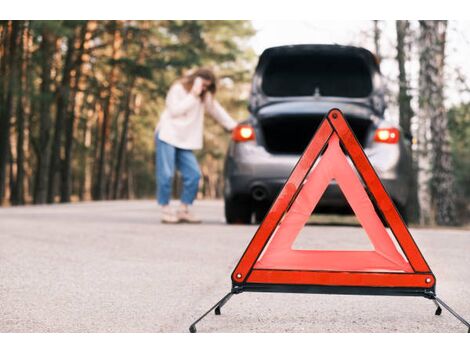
(185, 215)
(168, 216)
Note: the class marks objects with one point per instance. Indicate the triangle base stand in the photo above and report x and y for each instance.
(237, 289)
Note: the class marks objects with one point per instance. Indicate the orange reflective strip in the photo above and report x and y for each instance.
(291, 277)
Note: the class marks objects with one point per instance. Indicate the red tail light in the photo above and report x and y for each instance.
(243, 133)
(387, 135)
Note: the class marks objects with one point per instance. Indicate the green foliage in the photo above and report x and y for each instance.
(119, 73)
(459, 127)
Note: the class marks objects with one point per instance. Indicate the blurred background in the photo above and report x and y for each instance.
(79, 101)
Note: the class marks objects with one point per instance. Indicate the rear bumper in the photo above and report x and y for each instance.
(333, 197)
(251, 172)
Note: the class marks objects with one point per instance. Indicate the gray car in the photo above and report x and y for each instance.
(292, 90)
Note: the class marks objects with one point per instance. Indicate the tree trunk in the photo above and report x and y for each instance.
(427, 83)
(17, 193)
(404, 98)
(46, 51)
(130, 183)
(85, 159)
(8, 111)
(11, 168)
(114, 146)
(100, 185)
(30, 106)
(4, 40)
(377, 36)
(406, 113)
(63, 94)
(122, 143)
(67, 165)
(443, 185)
(436, 179)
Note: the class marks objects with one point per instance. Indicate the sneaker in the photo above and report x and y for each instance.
(185, 215)
(168, 216)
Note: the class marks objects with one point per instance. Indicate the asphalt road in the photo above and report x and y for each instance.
(113, 267)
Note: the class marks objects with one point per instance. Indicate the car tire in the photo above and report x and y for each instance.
(403, 212)
(261, 209)
(237, 211)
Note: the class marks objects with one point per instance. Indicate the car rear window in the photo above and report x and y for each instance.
(323, 74)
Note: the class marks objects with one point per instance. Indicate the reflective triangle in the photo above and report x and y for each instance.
(270, 259)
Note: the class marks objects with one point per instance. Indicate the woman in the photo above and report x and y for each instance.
(179, 132)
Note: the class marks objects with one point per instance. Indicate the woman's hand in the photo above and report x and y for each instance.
(198, 86)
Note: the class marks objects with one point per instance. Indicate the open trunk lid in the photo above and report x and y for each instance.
(330, 72)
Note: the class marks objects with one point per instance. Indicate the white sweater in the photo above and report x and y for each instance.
(182, 122)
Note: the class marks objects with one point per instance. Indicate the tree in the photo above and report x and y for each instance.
(459, 128)
(43, 148)
(84, 97)
(404, 97)
(17, 193)
(62, 108)
(9, 64)
(405, 110)
(377, 37)
(436, 190)
(66, 170)
(107, 106)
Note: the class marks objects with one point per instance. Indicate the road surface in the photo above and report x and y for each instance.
(113, 267)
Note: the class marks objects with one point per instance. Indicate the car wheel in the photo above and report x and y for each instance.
(237, 211)
(403, 212)
(401, 209)
(261, 209)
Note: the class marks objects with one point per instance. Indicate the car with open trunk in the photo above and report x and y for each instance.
(292, 90)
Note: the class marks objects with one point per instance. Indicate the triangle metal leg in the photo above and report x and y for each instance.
(222, 303)
(438, 308)
(216, 307)
(439, 302)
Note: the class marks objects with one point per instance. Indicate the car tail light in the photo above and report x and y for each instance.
(387, 135)
(243, 133)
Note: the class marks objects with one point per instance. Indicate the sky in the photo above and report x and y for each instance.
(359, 33)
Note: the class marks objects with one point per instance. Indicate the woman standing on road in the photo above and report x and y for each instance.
(179, 132)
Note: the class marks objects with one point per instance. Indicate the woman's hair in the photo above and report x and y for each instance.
(204, 73)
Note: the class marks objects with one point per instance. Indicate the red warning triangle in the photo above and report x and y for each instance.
(270, 259)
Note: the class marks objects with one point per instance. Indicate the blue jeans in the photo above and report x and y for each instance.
(170, 158)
